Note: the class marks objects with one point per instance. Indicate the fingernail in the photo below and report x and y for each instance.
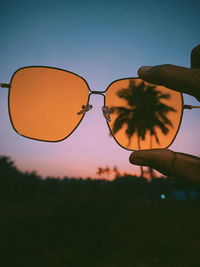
(143, 69)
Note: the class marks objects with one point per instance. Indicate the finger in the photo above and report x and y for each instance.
(169, 163)
(195, 57)
(180, 79)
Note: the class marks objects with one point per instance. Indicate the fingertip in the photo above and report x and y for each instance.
(139, 158)
(158, 159)
(130, 158)
(195, 57)
(143, 70)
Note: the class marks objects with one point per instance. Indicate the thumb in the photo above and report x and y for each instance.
(169, 163)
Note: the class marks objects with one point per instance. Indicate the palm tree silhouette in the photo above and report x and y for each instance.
(107, 171)
(116, 171)
(100, 171)
(144, 112)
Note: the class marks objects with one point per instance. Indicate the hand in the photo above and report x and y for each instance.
(184, 80)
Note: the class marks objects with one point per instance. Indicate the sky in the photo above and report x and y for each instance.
(101, 41)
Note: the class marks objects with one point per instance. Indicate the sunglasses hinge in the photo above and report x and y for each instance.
(4, 85)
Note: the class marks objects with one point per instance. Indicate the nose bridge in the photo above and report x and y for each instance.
(105, 109)
(102, 93)
(98, 93)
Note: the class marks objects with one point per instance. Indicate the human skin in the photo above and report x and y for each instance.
(185, 80)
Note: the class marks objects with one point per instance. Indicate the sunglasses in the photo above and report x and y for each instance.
(48, 104)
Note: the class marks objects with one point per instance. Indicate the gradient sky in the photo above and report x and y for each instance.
(101, 41)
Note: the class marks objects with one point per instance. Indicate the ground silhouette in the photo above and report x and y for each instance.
(76, 222)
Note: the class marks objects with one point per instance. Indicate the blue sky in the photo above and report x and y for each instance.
(101, 41)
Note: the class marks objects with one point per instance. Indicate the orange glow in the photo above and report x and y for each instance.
(143, 115)
(44, 102)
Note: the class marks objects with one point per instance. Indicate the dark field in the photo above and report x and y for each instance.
(83, 223)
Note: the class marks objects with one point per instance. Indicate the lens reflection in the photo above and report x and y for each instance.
(44, 102)
(143, 115)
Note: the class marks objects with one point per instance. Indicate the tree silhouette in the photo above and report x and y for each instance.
(6, 164)
(107, 171)
(144, 113)
(116, 171)
(100, 171)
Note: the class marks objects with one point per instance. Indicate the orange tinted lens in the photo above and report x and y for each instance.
(143, 115)
(44, 102)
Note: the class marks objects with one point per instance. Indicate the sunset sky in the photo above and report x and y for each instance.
(101, 41)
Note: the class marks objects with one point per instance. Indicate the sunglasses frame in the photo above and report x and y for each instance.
(90, 92)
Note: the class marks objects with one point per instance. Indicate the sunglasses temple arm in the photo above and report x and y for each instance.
(190, 107)
(4, 85)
